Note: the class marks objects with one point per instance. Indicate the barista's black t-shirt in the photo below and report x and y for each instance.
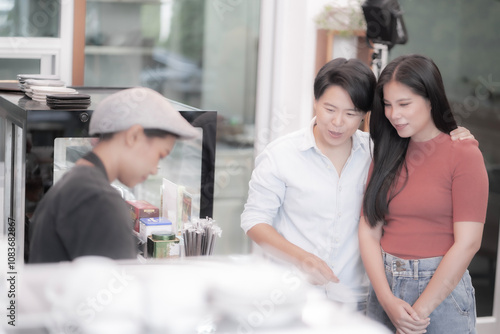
(82, 214)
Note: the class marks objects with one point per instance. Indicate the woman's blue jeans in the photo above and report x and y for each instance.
(408, 279)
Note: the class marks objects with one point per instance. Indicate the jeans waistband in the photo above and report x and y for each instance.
(410, 268)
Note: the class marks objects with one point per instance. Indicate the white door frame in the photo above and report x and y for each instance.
(55, 54)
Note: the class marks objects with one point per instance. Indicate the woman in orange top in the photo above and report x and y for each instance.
(424, 206)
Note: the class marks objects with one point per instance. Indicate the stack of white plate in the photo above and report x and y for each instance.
(27, 80)
(36, 82)
(39, 93)
(38, 86)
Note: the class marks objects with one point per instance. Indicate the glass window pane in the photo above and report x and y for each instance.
(30, 18)
(10, 68)
(191, 51)
(160, 45)
(462, 38)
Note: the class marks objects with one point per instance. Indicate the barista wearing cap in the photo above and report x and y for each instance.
(82, 214)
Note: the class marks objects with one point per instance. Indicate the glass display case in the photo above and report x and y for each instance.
(55, 138)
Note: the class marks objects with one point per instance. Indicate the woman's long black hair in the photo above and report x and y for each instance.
(422, 76)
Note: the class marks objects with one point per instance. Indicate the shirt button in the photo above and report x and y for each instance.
(339, 214)
(340, 188)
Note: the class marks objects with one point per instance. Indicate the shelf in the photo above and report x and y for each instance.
(118, 50)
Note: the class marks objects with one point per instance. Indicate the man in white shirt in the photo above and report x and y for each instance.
(307, 187)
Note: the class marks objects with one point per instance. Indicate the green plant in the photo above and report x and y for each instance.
(343, 18)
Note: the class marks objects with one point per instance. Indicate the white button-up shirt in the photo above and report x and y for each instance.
(296, 189)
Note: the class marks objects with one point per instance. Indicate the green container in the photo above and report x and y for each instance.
(163, 245)
(163, 236)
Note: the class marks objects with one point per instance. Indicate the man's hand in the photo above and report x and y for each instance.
(317, 271)
(461, 133)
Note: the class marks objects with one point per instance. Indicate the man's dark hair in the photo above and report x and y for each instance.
(352, 75)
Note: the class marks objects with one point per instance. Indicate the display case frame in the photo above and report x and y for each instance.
(12, 178)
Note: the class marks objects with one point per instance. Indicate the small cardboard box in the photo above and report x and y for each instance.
(141, 209)
(148, 226)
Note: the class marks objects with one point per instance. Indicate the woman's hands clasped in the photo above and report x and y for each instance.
(404, 317)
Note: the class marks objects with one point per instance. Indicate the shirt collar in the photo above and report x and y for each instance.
(309, 141)
(358, 143)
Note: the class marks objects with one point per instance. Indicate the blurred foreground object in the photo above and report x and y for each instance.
(197, 295)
